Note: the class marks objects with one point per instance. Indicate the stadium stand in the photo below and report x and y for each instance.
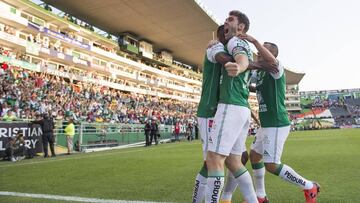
(341, 106)
(28, 93)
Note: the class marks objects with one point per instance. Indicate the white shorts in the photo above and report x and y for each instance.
(205, 125)
(230, 130)
(269, 142)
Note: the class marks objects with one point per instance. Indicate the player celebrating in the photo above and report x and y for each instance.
(215, 58)
(207, 107)
(275, 126)
(231, 122)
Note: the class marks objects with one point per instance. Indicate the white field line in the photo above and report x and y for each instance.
(86, 156)
(68, 198)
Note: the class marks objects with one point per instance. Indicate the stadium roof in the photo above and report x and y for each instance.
(180, 26)
(292, 77)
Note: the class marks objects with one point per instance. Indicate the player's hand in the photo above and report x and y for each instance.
(212, 43)
(270, 67)
(233, 69)
(247, 37)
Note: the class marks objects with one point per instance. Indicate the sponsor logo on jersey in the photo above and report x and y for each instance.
(294, 179)
(216, 190)
(262, 108)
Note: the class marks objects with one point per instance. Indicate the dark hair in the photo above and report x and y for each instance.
(274, 47)
(242, 18)
(221, 34)
(220, 30)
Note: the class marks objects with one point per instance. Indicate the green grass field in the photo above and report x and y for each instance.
(166, 172)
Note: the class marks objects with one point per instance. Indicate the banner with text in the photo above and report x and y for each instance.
(32, 135)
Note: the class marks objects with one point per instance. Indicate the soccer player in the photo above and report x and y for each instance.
(215, 58)
(267, 148)
(207, 108)
(231, 121)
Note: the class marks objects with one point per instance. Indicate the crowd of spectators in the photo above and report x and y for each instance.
(344, 110)
(46, 42)
(354, 110)
(25, 94)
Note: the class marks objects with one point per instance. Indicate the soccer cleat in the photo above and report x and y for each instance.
(263, 200)
(311, 194)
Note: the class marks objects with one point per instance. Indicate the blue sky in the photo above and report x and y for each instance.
(318, 37)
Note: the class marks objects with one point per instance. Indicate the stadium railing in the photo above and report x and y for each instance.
(99, 135)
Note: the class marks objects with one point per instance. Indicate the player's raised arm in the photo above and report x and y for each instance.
(268, 57)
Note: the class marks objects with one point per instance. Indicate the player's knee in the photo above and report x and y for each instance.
(233, 163)
(271, 167)
(255, 157)
(214, 161)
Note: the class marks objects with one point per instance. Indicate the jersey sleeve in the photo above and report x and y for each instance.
(215, 49)
(280, 73)
(237, 46)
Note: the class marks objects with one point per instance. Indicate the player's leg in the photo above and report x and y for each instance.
(201, 177)
(215, 180)
(229, 187)
(45, 145)
(239, 171)
(230, 182)
(258, 166)
(220, 142)
(275, 139)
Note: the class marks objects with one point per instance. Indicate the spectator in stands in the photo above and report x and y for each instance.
(9, 116)
(15, 149)
(48, 138)
(70, 132)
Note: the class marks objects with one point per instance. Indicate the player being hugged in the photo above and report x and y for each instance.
(231, 121)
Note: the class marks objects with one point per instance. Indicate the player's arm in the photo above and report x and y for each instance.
(254, 66)
(266, 54)
(238, 50)
(271, 64)
(216, 53)
(223, 58)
